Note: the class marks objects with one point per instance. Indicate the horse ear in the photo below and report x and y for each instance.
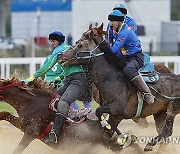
(91, 35)
(90, 27)
(101, 27)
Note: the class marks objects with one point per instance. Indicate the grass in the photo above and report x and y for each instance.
(6, 107)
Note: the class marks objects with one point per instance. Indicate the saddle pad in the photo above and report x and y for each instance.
(151, 77)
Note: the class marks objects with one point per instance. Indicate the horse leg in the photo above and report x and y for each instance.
(3, 115)
(11, 118)
(167, 129)
(25, 141)
(111, 128)
(114, 125)
(101, 110)
(111, 125)
(159, 119)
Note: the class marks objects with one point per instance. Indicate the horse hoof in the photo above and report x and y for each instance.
(124, 139)
(148, 148)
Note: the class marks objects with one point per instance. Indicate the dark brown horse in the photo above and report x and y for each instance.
(118, 96)
(31, 103)
(98, 32)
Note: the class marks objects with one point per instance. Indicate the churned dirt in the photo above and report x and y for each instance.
(11, 136)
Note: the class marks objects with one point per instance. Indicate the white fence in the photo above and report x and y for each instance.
(6, 63)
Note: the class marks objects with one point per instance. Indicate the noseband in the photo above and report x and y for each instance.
(90, 53)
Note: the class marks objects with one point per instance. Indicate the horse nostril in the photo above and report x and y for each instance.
(60, 54)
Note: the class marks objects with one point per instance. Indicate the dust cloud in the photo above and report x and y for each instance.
(11, 136)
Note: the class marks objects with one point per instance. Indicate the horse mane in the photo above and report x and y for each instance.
(30, 87)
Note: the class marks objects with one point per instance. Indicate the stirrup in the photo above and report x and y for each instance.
(54, 135)
(149, 98)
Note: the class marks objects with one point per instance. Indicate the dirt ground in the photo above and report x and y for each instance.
(10, 137)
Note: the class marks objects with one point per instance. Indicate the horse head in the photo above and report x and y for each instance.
(80, 53)
(85, 47)
(97, 33)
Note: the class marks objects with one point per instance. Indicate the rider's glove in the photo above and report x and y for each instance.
(30, 79)
(104, 46)
(57, 80)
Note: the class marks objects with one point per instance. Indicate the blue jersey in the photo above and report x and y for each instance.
(129, 21)
(126, 42)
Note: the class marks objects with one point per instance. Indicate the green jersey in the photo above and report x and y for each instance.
(51, 63)
(52, 73)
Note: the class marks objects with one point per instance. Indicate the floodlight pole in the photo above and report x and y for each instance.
(38, 13)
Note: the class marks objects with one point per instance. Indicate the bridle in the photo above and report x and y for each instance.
(90, 53)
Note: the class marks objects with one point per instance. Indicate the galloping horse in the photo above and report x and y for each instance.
(31, 103)
(98, 32)
(118, 96)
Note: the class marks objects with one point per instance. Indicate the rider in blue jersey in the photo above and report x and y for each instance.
(127, 47)
(128, 20)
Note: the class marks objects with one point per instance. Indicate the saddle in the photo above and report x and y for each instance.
(147, 71)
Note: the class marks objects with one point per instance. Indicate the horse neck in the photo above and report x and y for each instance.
(18, 98)
(102, 70)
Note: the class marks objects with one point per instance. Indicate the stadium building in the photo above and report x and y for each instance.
(37, 18)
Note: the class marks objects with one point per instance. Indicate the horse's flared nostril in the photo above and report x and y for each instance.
(60, 54)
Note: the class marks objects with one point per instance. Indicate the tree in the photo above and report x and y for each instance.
(175, 13)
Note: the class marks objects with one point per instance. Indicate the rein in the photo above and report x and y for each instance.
(167, 97)
(9, 85)
(91, 54)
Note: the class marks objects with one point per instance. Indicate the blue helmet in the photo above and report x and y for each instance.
(56, 35)
(121, 8)
(116, 15)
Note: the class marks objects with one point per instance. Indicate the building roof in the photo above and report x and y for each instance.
(43, 5)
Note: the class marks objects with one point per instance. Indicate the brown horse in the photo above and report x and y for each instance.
(31, 103)
(118, 96)
(99, 33)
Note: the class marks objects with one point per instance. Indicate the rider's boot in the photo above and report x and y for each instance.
(56, 131)
(143, 88)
